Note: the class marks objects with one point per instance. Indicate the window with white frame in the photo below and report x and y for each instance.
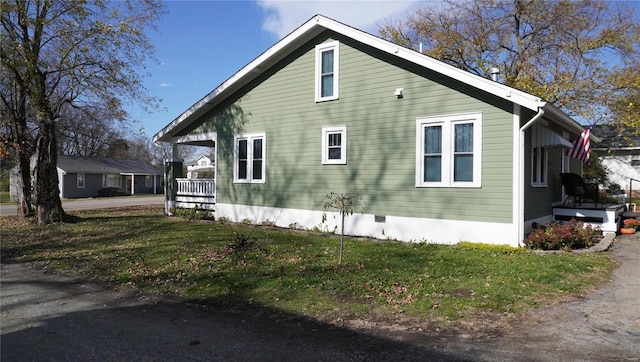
(327, 66)
(334, 145)
(539, 157)
(111, 181)
(449, 151)
(80, 180)
(148, 181)
(249, 158)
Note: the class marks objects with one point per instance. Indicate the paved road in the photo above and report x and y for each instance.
(85, 204)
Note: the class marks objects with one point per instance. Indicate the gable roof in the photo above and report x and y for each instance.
(317, 25)
(75, 164)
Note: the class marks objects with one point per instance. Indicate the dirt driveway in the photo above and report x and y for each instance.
(46, 317)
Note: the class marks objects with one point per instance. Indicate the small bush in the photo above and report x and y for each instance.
(112, 192)
(195, 213)
(632, 224)
(557, 236)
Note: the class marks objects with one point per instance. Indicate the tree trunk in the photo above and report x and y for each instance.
(48, 204)
(25, 208)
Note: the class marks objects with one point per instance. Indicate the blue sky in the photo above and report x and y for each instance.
(199, 44)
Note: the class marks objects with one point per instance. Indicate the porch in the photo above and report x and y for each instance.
(196, 193)
(607, 216)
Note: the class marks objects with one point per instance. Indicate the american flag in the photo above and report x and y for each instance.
(581, 147)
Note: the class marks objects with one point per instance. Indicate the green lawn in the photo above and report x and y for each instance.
(4, 197)
(297, 272)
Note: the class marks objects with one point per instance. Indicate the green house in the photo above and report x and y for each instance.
(436, 153)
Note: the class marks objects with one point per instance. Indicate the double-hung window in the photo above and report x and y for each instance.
(449, 151)
(327, 65)
(80, 180)
(334, 145)
(148, 181)
(249, 158)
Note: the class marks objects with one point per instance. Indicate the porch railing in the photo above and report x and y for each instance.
(196, 187)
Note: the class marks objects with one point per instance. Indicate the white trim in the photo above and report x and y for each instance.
(448, 123)
(518, 174)
(326, 131)
(320, 49)
(408, 229)
(250, 137)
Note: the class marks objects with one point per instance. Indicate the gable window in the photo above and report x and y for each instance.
(80, 180)
(249, 163)
(539, 158)
(327, 61)
(448, 151)
(334, 145)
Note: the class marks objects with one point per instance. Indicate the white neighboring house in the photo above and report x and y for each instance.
(203, 167)
(620, 154)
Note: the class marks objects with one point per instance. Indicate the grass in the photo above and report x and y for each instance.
(5, 198)
(297, 272)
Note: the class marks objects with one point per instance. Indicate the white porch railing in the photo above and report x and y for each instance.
(196, 187)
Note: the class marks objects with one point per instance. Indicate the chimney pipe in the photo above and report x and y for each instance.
(494, 74)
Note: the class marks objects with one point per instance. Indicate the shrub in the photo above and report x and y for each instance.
(632, 223)
(557, 236)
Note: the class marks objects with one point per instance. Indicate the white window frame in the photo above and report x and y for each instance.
(80, 180)
(321, 48)
(118, 179)
(342, 131)
(250, 137)
(538, 177)
(448, 123)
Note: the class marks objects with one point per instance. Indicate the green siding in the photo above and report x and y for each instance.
(380, 137)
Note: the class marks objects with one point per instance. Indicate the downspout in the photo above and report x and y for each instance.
(523, 129)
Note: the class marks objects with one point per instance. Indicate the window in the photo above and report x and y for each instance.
(327, 59)
(80, 180)
(448, 151)
(148, 181)
(249, 165)
(334, 145)
(539, 157)
(111, 181)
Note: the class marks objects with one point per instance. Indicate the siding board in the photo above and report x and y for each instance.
(380, 142)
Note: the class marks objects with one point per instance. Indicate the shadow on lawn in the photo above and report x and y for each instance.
(61, 318)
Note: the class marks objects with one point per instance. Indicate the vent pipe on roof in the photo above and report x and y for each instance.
(494, 74)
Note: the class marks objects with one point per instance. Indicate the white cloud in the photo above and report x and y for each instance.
(165, 84)
(282, 17)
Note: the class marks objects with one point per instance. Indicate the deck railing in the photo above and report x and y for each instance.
(196, 187)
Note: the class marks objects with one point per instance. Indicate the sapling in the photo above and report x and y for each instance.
(344, 203)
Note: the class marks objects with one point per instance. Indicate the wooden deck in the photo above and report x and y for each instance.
(607, 216)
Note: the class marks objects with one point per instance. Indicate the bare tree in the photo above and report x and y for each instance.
(82, 54)
(563, 51)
